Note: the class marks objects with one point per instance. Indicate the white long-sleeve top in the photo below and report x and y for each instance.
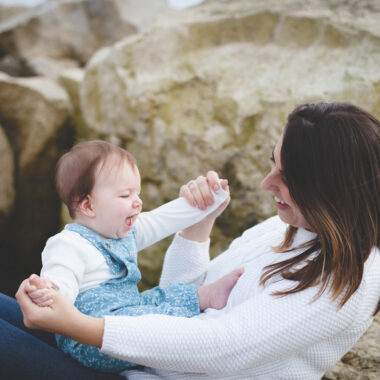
(74, 264)
(256, 336)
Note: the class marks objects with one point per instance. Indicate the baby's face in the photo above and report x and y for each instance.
(115, 198)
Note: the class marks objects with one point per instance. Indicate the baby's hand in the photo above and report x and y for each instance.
(40, 290)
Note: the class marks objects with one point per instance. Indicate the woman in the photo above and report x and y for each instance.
(312, 274)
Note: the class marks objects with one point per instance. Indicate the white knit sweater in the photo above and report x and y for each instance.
(256, 336)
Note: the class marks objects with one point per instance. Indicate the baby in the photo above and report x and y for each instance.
(93, 261)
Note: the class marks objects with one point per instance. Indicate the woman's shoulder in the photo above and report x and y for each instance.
(272, 225)
(366, 297)
(269, 231)
(372, 270)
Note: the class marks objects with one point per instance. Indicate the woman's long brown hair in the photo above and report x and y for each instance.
(330, 158)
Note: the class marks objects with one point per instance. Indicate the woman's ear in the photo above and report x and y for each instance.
(86, 207)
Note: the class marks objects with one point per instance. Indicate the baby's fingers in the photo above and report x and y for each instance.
(29, 288)
(48, 302)
(41, 296)
(37, 281)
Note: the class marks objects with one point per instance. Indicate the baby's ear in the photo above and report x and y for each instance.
(85, 207)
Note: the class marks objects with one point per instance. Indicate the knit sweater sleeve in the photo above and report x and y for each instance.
(171, 217)
(185, 261)
(248, 335)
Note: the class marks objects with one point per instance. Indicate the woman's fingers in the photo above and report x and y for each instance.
(26, 305)
(48, 302)
(197, 189)
(198, 192)
(57, 317)
(224, 184)
(204, 190)
(193, 191)
(186, 193)
(213, 180)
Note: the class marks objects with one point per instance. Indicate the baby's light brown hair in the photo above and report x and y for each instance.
(75, 176)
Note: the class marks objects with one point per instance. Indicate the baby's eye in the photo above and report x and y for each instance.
(125, 196)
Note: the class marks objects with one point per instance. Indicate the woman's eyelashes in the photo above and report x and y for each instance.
(272, 157)
(280, 170)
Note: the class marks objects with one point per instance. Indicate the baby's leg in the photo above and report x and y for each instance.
(38, 290)
(215, 295)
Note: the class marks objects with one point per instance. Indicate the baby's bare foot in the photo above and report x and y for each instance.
(215, 295)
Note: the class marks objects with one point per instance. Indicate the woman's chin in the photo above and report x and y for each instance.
(284, 216)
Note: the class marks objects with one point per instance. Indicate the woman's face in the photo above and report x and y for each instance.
(274, 182)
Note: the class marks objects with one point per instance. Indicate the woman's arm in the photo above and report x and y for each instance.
(61, 317)
(261, 330)
(187, 258)
(185, 261)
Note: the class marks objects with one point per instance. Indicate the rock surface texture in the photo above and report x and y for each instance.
(62, 34)
(35, 117)
(210, 88)
(362, 362)
(7, 191)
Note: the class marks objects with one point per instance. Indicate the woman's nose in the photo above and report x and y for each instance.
(268, 183)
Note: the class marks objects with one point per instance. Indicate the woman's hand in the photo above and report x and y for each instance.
(60, 317)
(198, 193)
(39, 290)
(51, 318)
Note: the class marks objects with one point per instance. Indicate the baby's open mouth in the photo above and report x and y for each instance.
(130, 220)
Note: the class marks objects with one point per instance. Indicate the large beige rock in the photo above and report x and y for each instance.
(7, 12)
(70, 80)
(210, 88)
(32, 110)
(362, 362)
(35, 115)
(7, 192)
(64, 34)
